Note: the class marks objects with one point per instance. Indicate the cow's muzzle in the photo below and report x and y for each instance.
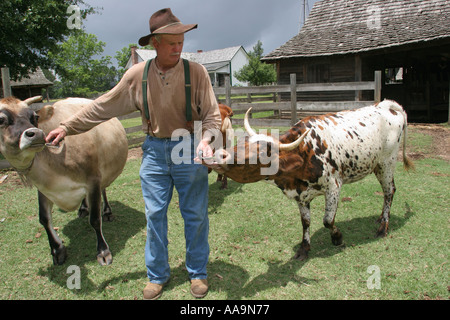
(32, 138)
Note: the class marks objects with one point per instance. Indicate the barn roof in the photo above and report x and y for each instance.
(353, 26)
(36, 78)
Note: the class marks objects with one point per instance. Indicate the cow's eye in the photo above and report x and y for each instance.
(34, 119)
(3, 120)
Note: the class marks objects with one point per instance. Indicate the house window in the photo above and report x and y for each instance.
(393, 75)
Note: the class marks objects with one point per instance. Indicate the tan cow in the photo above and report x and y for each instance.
(81, 168)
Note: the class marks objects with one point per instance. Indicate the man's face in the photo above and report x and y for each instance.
(169, 49)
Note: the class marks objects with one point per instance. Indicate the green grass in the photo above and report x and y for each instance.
(254, 232)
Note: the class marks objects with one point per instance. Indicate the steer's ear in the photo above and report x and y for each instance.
(45, 113)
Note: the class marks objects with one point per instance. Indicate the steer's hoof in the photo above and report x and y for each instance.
(105, 258)
(301, 254)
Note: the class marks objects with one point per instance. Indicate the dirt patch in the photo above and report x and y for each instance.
(440, 147)
(135, 153)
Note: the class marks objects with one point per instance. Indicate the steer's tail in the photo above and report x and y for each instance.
(407, 162)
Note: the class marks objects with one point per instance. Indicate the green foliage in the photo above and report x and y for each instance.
(80, 73)
(30, 29)
(256, 72)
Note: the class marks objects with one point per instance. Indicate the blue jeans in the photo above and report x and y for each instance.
(166, 164)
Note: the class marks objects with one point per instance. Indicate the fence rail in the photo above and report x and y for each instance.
(280, 108)
(293, 107)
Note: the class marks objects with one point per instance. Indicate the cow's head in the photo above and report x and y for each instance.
(254, 157)
(20, 138)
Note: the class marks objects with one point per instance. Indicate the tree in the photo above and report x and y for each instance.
(256, 72)
(123, 55)
(79, 72)
(29, 29)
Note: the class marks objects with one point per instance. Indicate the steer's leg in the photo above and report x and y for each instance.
(104, 256)
(302, 252)
(385, 175)
(58, 250)
(331, 204)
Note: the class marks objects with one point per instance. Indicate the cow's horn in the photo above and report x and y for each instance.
(247, 127)
(33, 100)
(295, 144)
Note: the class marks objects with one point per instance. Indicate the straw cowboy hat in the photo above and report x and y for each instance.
(164, 22)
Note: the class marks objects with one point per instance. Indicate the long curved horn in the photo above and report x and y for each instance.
(33, 100)
(247, 127)
(295, 144)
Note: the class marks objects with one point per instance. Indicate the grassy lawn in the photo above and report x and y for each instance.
(254, 232)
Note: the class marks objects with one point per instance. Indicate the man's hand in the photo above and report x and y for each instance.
(56, 136)
(204, 152)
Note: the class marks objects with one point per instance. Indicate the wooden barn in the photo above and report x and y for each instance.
(348, 40)
(29, 86)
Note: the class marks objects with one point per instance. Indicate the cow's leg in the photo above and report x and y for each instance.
(104, 256)
(58, 250)
(83, 211)
(107, 212)
(331, 204)
(386, 178)
(302, 252)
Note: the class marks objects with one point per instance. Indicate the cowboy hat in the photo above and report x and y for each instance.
(164, 22)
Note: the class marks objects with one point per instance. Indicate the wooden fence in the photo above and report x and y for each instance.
(292, 109)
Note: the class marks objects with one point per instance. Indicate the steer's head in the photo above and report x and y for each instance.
(255, 156)
(20, 138)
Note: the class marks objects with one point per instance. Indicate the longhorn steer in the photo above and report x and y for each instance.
(81, 168)
(337, 148)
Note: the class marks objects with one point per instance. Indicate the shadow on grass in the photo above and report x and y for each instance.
(81, 247)
(359, 231)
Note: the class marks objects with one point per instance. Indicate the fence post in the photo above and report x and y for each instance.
(6, 82)
(293, 98)
(377, 92)
(227, 91)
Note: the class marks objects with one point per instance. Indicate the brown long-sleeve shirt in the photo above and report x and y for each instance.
(166, 101)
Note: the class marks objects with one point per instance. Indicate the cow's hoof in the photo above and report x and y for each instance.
(83, 212)
(108, 217)
(105, 258)
(59, 255)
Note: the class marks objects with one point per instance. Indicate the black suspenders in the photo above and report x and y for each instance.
(187, 85)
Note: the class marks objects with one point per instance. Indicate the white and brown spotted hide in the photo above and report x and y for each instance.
(338, 148)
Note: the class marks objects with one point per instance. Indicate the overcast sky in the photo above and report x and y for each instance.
(221, 23)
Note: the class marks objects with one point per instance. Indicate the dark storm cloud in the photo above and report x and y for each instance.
(221, 23)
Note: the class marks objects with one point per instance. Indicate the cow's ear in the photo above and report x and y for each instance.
(45, 113)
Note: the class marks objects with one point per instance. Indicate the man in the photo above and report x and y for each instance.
(160, 172)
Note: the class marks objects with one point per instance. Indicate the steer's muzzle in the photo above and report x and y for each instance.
(219, 161)
(32, 138)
